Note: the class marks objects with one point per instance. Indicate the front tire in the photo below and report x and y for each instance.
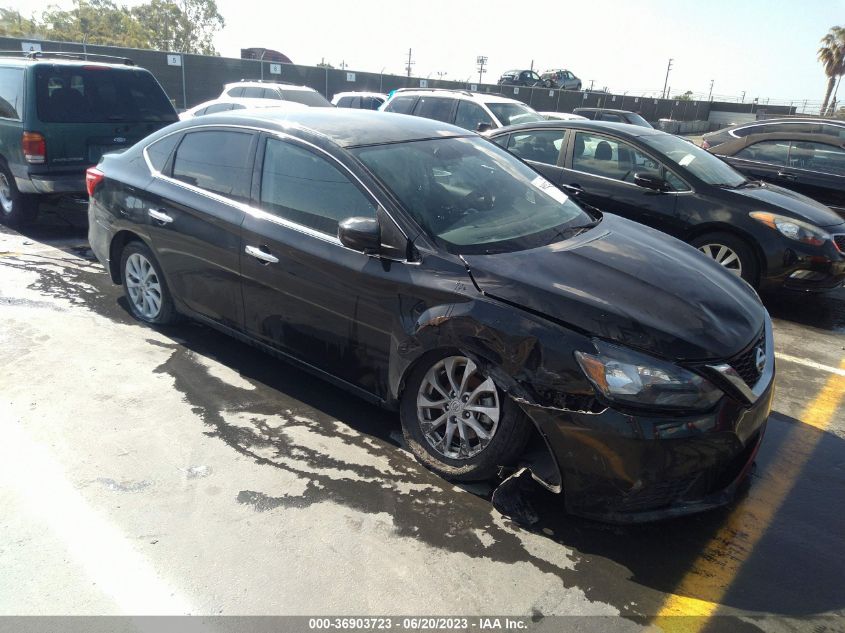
(731, 252)
(458, 422)
(16, 208)
(145, 287)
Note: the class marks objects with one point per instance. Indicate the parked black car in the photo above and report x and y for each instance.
(771, 237)
(527, 78)
(812, 164)
(428, 270)
(612, 116)
(786, 125)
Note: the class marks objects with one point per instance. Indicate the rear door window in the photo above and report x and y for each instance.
(11, 93)
(269, 93)
(216, 160)
(470, 115)
(821, 157)
(160, 151)
(99, 94)
(306, 189)
(613, 118)
(253, 92)
(772, 152)
(542, 146)
(236, 92)
(311, 98)
(344, 102)
(436, 108)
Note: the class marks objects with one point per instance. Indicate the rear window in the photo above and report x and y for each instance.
(310, 98)
(99, 94)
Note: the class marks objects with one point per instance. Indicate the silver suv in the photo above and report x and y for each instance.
(469, 110)
(276, 91)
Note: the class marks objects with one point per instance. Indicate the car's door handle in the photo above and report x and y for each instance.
(787, 176)
(263, 255)
(159, 216)
(573, 189)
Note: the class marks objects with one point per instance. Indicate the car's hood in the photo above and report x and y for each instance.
(794, 203)
(631, 284)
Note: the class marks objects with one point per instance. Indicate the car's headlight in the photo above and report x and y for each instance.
(628, 377)
(797, 230)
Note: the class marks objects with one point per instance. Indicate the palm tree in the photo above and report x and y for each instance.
(832, 56)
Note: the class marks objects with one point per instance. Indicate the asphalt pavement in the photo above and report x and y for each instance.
(175, 470)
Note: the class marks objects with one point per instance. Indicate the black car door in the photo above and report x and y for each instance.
(765, 160)
(195, 213)
(303, 292)
(599, 170)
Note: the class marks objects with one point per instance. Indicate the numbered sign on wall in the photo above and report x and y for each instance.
(174, 60)
(350, 76)
(423, 83)
(30, 47)
(275, 69)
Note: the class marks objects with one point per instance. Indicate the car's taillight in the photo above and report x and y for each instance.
(93, 177)
(34, 147)
(705, 144)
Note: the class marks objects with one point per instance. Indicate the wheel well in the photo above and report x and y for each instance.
(703, 229)
(118, 243)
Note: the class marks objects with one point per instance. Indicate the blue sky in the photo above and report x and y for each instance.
(765, 48)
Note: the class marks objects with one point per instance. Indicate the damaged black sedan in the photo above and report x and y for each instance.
(428, 270)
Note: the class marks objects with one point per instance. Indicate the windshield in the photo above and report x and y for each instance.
(636, 119)
(307, 97)
(99, 94)
(700, 163)
(513, 113)
(471, 196)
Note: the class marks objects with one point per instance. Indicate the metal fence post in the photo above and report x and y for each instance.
(184, 89)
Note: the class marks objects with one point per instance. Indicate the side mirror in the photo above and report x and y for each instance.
(647, 181)
(483, 127)
(360, 234)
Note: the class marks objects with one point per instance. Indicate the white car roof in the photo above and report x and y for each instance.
(564, 116)
(353, 93)
(247, 103)
(462, 94)
(265, 84)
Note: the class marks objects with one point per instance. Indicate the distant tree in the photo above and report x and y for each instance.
(687, 96)
(13, 24)
(832, 56)
(188, 26)
(324, 65)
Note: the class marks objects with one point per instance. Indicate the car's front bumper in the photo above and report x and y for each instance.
(804, 268)
(625, 468)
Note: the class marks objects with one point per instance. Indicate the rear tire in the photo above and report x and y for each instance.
(16, 208)
(462, 427)
(732, 252)
(145, 287)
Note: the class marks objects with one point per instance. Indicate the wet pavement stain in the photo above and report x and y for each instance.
(123, 486)
(629, 567)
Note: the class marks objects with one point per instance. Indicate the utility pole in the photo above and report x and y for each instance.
(532, 65)
(743, 96)
(481, 61)
(410, 63)
(343, 65)
(666, 81)
(592, 81)
(710, 96)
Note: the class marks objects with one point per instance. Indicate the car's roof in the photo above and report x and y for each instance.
(266, 84)
(611, 110)
(59, 61)
(485, 97)
(790, 119)
(623, 129)
(343, 126)
(358, 93)
(751, 139)
(251, 102)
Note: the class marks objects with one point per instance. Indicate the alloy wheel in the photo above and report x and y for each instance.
(458, 408)
(6, 202)
(143, 285)
(724, 256)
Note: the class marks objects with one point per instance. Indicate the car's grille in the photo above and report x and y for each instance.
(745, 364)
(839, 240)
(657, 495)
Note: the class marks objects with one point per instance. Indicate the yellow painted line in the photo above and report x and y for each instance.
(708, 580)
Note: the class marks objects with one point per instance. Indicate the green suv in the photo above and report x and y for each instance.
(59, 114)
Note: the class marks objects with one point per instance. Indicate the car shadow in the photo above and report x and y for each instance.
(781, 540)
(825, 311)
